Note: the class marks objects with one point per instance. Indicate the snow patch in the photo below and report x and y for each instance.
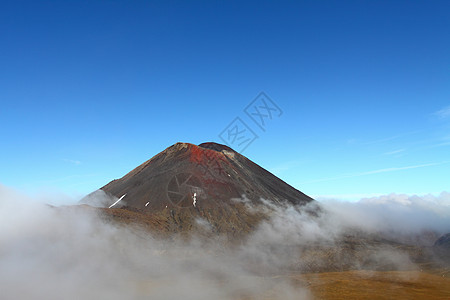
(117, 201)
(195, 199)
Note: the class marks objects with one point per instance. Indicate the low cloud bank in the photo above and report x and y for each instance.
(71, 253)
(397, 213)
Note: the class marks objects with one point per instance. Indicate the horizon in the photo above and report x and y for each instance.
(343, 100)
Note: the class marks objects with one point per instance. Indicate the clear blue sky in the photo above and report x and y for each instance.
(91, 89)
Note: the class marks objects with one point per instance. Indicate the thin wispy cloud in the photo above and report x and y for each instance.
(383, 140)
(443, 144)
(399, 168)
(67, 178)
(443, 113)
(394, 152)
(285, 166)
(385, 170)
(346, 197)
(391, 138)
(72, 161)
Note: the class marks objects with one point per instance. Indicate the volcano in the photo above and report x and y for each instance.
(211, 181)
(203, 176)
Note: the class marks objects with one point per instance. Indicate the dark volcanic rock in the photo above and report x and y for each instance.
(441, 249)
(443, 242)
(210, 173)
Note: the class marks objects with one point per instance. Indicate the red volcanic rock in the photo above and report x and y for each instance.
(206, 176)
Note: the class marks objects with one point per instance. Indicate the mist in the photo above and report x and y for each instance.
(74, 253)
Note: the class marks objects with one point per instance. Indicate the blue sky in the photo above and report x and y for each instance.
(91, 89)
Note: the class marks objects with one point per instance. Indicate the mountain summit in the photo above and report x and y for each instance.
(204, 177)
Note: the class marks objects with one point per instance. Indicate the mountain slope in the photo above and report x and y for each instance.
(204, 176)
